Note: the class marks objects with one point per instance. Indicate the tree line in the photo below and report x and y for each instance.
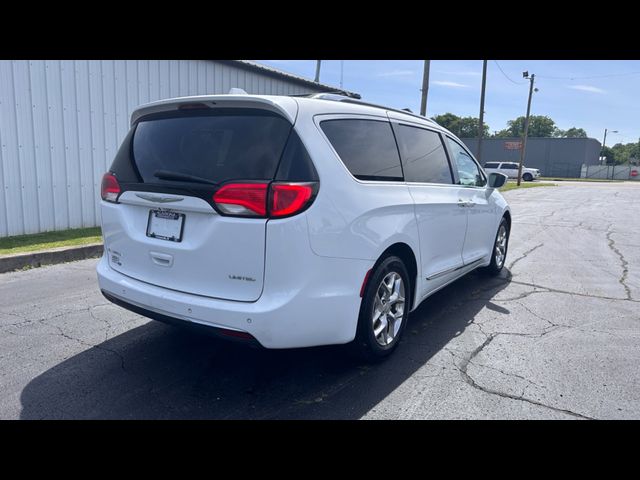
(539, 126)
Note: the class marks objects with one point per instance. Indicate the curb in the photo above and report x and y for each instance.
(49, 257)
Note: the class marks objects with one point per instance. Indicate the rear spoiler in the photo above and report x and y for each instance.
(285, 106)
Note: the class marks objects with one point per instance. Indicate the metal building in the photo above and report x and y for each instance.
(554, 157)
(61, 123)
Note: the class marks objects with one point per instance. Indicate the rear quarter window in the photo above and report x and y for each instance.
(366, 147)
(491, 165)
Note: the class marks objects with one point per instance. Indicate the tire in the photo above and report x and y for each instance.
(527, 177)
(499, 255)
(367, 345)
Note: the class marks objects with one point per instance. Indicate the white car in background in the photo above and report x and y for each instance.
(510, 169)
(292, 221)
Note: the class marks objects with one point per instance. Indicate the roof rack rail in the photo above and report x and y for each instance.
(342, 98)
(337, 93)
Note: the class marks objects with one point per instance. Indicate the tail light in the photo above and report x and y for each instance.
(110, 189)
(243, 199)
(263, 200)
(290, 198)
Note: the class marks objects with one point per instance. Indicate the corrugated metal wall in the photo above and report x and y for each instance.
(61, 123)
(560, 157)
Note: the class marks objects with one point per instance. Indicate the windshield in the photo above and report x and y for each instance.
(218, 146)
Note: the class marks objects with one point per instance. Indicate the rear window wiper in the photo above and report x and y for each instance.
(185, 177)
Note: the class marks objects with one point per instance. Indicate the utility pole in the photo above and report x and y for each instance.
(604, 144)
(425, 88)
(526, 124)
(317, 79)
(481, 122)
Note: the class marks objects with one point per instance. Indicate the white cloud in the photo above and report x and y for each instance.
(587, 88)
(446, 83)
(466, 73)
(396, 73)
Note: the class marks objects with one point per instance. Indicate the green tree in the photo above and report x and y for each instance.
(504, 134)
(624, 152)
(447, 120)
(610, 154)
(463, 127)
(573, 132)
(539, 126)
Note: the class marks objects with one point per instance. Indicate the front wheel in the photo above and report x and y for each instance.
(500, 246)
(384, 310)
(527, 177)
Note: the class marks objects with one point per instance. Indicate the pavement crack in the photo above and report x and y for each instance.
(471, 382)
(524, 255)
(624, 264)
(543, 289)
(63, 334)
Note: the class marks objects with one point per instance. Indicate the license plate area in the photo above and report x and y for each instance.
(165, 225)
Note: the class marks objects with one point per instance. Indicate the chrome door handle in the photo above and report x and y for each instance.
(462, 203)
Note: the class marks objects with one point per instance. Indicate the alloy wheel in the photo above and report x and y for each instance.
(501, 246)
(388, 309)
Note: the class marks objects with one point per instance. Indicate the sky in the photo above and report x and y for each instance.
(589, 94)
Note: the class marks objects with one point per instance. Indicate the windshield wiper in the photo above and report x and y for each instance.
(185, 177)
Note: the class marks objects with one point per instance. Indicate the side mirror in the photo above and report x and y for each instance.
(497, 180)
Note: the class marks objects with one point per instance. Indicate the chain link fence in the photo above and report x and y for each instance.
(611, 172)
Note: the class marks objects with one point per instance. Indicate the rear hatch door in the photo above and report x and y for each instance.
(165, 230)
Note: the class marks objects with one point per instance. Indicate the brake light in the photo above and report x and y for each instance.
(193, 106)
(245, 199)
(110, 189)
(259, 200)
(289, 198)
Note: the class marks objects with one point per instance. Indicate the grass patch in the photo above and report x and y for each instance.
(514, 185)
(46, 240)
(579, 179)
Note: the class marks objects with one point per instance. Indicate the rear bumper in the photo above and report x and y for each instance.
(319, 308)
(226, 334)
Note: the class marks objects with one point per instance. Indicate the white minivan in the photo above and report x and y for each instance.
(293, 221)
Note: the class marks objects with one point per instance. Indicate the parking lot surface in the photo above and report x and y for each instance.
(557, 335)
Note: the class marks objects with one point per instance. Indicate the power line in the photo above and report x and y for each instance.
(507, 76)
(591, 76)
(586, 77)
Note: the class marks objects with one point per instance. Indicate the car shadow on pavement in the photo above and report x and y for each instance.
(156, 371)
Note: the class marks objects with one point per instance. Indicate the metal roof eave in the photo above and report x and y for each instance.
(270, 71)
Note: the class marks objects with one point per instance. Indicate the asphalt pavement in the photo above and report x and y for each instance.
(557, 335)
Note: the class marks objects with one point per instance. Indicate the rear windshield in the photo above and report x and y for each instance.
(221, 146)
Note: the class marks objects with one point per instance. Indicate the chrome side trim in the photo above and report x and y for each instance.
(451, 270)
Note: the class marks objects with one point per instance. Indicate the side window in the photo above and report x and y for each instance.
(423, 155)
(468, 171)
(366, 147)
(491, 165)
(510, 166)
